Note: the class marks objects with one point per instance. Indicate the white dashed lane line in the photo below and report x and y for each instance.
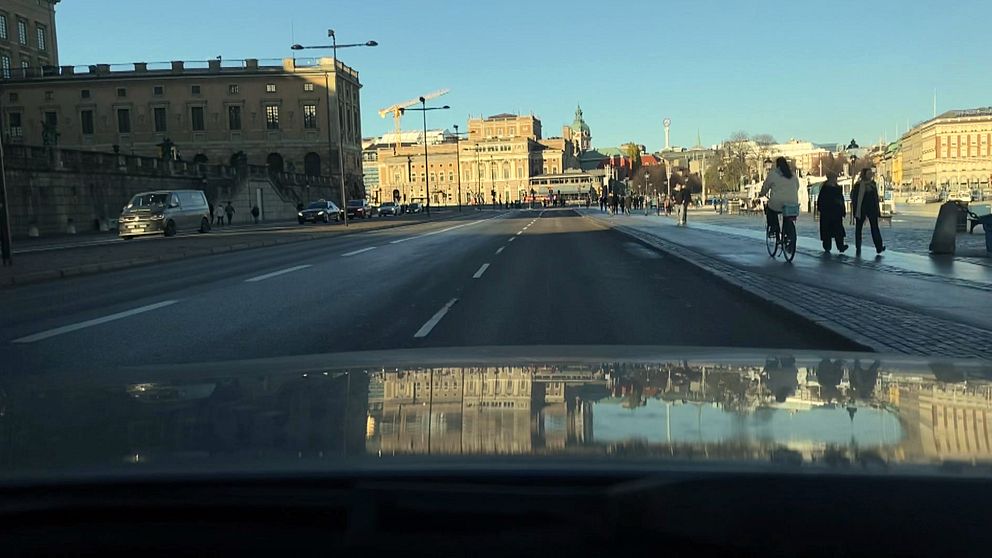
(520, 233)
(429, 324)
(356, 252)
(94, 322)
(512, 238)
(478, 274)
(501, 248)
(276, 273)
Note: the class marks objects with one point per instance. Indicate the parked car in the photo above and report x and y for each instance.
(164, 212)
(359, 209)
(389, 208)
(415, 207)
(321, 210)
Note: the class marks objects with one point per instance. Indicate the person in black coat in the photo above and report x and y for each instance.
(865, 205)
(830, 204)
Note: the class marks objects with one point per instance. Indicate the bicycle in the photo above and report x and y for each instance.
(775, 241)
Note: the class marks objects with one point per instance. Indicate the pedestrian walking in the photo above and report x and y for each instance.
(830, 203)
(229, 210)
(865, 205)
(686, 202)
(219, 214)
(668, 206)
(623, 205)
(254, 213)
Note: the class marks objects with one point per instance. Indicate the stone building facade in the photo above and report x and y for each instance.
(497, 160)
(27, 37)
(952, 151)
(274, 114)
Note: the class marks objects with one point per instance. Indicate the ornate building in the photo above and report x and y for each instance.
(578, 133)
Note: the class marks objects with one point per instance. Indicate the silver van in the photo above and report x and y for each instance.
(165, 212)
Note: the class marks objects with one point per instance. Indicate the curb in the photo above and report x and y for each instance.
(95, 268)
(756, 295)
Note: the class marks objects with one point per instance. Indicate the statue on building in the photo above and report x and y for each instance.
(49, 134)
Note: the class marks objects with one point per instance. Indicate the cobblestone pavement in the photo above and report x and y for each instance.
(908, 233)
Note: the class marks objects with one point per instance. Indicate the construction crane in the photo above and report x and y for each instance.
(397, 111)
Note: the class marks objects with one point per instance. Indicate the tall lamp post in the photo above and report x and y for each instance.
(334, 46)
(427, 173)
(458, 166)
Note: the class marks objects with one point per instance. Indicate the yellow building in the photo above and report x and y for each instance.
(952, 151)
(497, 161)
(27, 37)
(275, 114)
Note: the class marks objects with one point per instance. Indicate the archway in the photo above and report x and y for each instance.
(396, 196)
(274, 162)
(200, 159)
(311, 164)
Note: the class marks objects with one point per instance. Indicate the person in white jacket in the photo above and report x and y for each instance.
(782, 187)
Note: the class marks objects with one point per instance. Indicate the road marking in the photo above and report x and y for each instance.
(276, 273)
(500, 249)
(520, 233)
(356, 252)
(478, 274)
(429, 325)
(441, 231)
(512, 238)
(93, 322)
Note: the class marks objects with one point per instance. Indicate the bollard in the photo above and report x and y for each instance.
(945, 230)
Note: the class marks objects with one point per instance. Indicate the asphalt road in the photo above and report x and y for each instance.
(517, 277)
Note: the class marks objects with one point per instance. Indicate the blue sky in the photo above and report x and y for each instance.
(824, 71)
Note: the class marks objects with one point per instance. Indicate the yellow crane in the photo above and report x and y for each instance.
(397, 111)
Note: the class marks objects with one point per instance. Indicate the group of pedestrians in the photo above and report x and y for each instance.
(782, 188)
(864, 207)
(220, 211)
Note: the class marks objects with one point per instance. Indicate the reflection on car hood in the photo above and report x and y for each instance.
(563, 405)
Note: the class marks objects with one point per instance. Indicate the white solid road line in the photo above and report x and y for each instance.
(356, 252)
(276, 273)
(442, 230)
(429, 325)
(93, 322)
(482, 270)
(500, 249)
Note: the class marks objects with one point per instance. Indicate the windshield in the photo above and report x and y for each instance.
(787, 181)
(148, 200)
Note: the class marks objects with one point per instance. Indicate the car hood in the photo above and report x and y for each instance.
(527, 407)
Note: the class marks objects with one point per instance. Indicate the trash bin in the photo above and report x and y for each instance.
(946, 228)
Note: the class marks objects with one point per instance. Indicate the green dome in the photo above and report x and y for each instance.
(579, 125)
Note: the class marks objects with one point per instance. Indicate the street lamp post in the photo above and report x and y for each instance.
(458, 167)
(427, 174)
(334, 46)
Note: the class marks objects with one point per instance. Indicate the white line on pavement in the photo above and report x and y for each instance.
(520, 233)
(276, 273)
(93, 322)
(442, 230)
(512, 238)
(501, 248)
(429, 325)
(482, 270)
(356, 252)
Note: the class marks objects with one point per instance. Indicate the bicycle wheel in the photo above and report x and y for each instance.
(771, 242)
(789, 241)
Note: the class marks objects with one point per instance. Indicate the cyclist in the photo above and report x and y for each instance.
(782, 188)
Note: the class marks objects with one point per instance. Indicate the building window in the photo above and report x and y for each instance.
(3, 26)
(234, 117)
(51, 119)
(49, 95)
(272, 117)
(196, 118)
(13, 97)
(194, 89)
(22, 31)
(308, 87)
(84, 94)
(232, 89)
(25, 66)
(86, 121)
(310, 116)
(124, 121)
(5, 66)
(158, 90)
(161, 119)
(122, 92)
(270, 88)
(16, 130)
(42, 42)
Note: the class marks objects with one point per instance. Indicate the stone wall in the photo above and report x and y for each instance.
(53, 191)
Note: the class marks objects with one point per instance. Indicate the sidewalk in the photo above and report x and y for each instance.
(898, 303)
(110, 254)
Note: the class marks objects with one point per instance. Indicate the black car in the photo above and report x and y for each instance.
(360, 209)
(415, 207)
(319, 211)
